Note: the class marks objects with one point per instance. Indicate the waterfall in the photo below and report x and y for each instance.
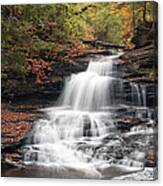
(143, 88)
(89, 90)
(136, 94)
(79, 132)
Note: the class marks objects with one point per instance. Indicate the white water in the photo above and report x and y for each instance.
(77, 127)
(89, 90)
(138, 94)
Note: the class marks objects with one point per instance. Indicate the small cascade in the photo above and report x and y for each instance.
(143, 89)
(136, 94)
(87, 91)
(103, 67)
(81, 129)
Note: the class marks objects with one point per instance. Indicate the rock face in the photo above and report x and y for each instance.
(140, 66)
(51, 87)
(140, 62)
(126, 124)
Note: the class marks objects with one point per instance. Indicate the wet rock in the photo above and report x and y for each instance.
(9, 163)
(111, 138)
(87, 127)
(125, 124)
(64, 69)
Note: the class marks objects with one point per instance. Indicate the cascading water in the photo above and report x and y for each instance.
(89, 90)
(80, 132)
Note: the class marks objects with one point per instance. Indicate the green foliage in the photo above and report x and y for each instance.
(29, 29)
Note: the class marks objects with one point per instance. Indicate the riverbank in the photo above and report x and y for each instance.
(16, 122)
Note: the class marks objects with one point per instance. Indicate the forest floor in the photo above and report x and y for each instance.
(16, 123)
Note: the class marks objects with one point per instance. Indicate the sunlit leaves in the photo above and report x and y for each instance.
(27, 30)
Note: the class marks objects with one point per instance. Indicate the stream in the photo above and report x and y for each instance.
(86, 134)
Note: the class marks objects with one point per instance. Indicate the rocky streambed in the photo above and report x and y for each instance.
(128, 148)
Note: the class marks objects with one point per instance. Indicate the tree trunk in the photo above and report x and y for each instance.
(133, 17)
(144, 11)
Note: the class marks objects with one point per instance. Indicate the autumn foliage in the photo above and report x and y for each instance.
(40, 68)
(35, 36)
(14, 126)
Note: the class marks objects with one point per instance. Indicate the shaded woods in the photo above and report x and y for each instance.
(40, 41)
(44, 44)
